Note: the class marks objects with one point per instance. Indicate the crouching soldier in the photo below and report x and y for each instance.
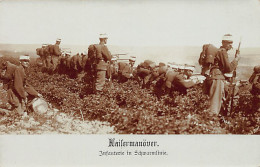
(18, 89)
(125, 70)
(255, 91)
(157, 81)
(144, 72)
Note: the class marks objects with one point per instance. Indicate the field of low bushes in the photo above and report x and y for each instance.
(133, 110)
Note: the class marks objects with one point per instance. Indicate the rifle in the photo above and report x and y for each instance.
(110, 74)
(232, 80)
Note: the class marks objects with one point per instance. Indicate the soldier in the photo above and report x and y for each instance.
(175, 80)
(18, 88)
(113, 70)
(56, 54)
(40, 52)
(217, 78)
(125, 70)
(157, 81)
(65, 62)
(47, 57)
(43, 56)
(84, 61)
(255, 91)
(144, 72)
(103, 57)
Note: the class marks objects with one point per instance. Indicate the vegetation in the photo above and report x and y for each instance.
(132, 110)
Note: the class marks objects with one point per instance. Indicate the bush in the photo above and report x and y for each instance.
(132, 110)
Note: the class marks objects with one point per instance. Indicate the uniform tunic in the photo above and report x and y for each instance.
(124, 71)
(255, 81)
(19, 89)
(55, 56)
(216, 92)
(174, 78)
(103, 56)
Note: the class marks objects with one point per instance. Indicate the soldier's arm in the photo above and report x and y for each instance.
(18, 83)
(56, 50)
(223, 57)
(106, 53)
(180, 81)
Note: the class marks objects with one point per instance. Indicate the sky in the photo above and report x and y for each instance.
(130, 23)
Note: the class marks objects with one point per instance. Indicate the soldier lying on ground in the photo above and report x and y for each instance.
(176, 81)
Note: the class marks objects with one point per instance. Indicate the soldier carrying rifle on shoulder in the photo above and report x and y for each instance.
(215, 82)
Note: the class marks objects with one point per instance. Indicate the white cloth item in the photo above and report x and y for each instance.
(23, 57)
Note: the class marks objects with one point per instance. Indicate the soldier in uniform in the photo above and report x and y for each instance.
(144, 72)
(217, 78)
(43, 56)
(18, 88)
(255, 91)
(47, 57)
(175, 80)
(103, 58)
(125, 70)
(56, 54)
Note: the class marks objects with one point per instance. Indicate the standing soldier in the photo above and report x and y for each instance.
(42, 55)
(56, 54)
(103, 57)
(18, 88)
(217, 78)
(47, 57)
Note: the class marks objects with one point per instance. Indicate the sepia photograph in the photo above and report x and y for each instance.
(173, 83)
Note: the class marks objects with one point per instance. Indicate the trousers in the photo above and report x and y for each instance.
(216, 95)
(100, 80)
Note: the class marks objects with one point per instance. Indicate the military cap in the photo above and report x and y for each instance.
(114, 58)
(162, 64)
(58, 39)
(257, 69)
(103, 36)
(44, 44)
(181, 66)
(228, 38)
(228, 75)
(24, 58)
(68, 52)
(172, 65)
(189, 67)
(132, 58)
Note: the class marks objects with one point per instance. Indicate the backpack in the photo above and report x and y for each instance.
(256, 85)
(38, 51)
(8, 74)
(10, 69)
(207, 57)
(92, 54)
(51, 49)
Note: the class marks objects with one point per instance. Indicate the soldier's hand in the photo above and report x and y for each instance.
(25, 101)
(238, 57)
(39, 95)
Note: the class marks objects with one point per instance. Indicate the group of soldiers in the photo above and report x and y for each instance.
(162, 78)
(50, 55)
